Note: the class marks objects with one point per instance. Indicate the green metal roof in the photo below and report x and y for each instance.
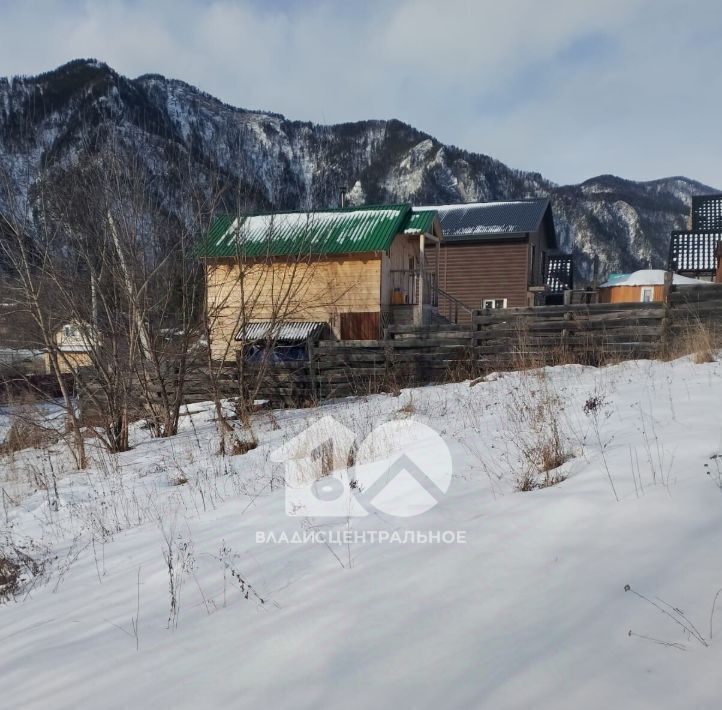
(420, 222)
(340, 231)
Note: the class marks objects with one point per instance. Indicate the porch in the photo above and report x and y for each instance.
(410, 293)
(416, 299)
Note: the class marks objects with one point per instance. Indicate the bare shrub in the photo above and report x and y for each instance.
(702, 342)
(9, 576)
(468, 367)
(243, 445)
(536, 431)
(26, 432)
(531, 442)
(177, 479)
(17, 569)
(409, 407)
(179, 559)
(543, 447)
(696, 338)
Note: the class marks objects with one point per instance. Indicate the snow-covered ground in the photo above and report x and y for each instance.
(525, 608)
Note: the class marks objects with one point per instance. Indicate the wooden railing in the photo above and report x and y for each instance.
(451, 307)
(406, 282)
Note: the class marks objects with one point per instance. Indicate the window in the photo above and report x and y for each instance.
(647, 294)
(494, 303)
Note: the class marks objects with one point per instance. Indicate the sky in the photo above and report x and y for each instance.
(568, 88)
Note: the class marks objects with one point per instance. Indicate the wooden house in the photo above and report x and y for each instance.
(355, 269)
(74, 348)
(499, 254)
(693, 252)
(644, 286)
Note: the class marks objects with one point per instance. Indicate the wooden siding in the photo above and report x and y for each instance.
(318, 291)
(69, 362)
(628, 294)
(473, 272)
(397, 258)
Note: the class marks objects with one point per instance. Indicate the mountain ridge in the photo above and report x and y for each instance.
(288, 164)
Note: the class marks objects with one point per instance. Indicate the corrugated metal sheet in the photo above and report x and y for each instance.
(285, 331)
(420, 222)
(342, 231)
(694, 251)
(477, 219)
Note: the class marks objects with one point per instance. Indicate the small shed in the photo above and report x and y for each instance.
(280, 341)
(644, 286)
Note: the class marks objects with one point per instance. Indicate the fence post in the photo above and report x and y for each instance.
(667, 316)
(668, 281)
(311, 367)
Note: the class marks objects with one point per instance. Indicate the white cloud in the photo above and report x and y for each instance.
(567, 87)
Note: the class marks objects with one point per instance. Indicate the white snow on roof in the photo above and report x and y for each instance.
(488, 228)
(652, 277)
(468, 205)
(280, 225)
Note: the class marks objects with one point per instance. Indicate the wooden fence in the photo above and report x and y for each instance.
(497, 340)
(595, 333)
(588, 334)
(512, 338)
(411, 355)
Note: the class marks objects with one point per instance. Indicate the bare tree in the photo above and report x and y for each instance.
(105, 244)
(28, 249)
(255, 283)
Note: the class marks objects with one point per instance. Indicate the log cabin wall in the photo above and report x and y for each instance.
(321, 290)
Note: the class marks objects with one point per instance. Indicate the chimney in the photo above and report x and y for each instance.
(342, 197)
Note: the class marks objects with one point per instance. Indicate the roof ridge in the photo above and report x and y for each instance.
(458, 205)
(357, 208)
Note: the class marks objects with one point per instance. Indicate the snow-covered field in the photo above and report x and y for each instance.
(155, 594)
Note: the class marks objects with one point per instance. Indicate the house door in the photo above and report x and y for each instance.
(360, 326)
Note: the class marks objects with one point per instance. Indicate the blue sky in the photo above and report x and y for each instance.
(570, 88)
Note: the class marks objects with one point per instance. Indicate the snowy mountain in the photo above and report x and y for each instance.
(56, 116)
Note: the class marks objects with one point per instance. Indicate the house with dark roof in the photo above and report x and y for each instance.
(501, 254)
(286, 274)
(693, 252)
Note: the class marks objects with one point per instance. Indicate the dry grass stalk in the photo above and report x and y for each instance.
(26, 432)
(697, 338)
